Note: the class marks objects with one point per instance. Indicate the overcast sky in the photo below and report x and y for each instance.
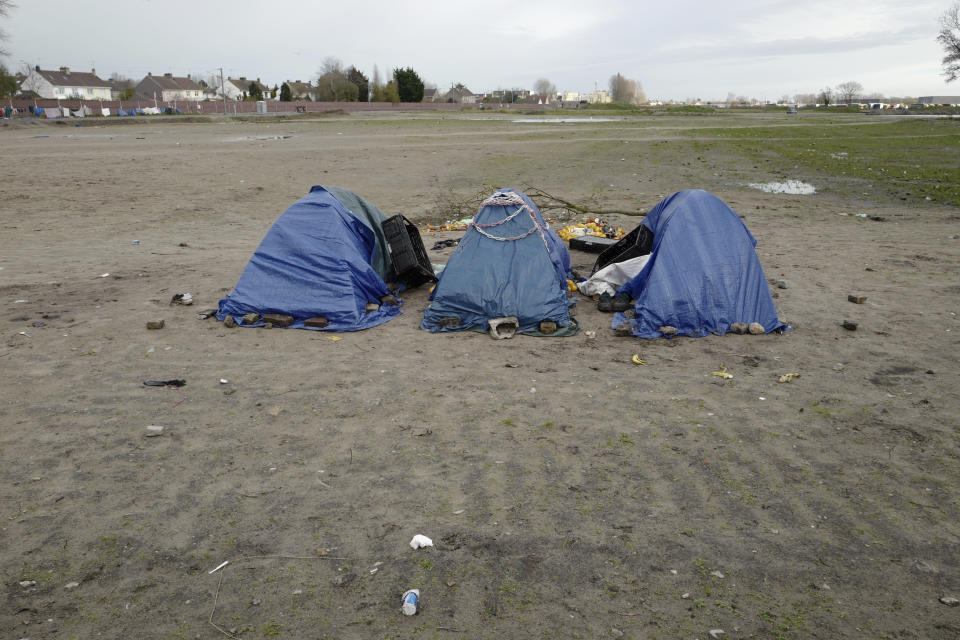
(678, 50)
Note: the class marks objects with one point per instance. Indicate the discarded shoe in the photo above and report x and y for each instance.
(620, 302)
(605, 303)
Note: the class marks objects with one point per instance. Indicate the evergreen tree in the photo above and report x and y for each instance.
(356, 76)
(285, 95)
(409, 85)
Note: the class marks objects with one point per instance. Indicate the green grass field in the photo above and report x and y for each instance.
(905, 160)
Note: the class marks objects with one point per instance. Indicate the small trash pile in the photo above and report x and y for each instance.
(595, 227)
(449, 225)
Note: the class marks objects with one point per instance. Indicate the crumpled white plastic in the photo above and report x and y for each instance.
(613, 276)
(420, 541)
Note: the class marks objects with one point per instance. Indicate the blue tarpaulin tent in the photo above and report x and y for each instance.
(324, 256)
(703, 273)
(508, 263)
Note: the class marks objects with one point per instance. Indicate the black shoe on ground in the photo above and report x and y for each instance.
(605, 303)
(621, 302)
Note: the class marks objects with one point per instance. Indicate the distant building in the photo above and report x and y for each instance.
(598, 97)
(940, 101)
(169, 88)
(302, 90)
(66, 84)
(460, 94)
(234, 88)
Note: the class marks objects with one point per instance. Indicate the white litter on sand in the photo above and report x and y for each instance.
(792, 187)
(420, 541)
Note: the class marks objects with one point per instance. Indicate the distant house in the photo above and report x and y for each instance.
(234, 88)
(66, 84)
(169, 88)
(429, 95)
(459, 94)
(302, 90)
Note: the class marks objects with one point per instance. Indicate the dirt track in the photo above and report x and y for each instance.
(570, 494)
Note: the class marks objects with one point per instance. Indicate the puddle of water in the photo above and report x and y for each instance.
(792, 187)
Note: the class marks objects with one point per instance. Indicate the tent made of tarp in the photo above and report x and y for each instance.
(325, 256)
(508, 263)
(703, 273)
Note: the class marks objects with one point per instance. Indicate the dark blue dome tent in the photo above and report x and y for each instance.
(326, 256)
(703, 273)
(508, 263)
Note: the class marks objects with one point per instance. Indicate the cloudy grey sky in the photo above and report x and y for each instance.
(704, 49)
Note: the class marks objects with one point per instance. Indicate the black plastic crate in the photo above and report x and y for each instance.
(407, 253)
(633, 245)
(591, 244)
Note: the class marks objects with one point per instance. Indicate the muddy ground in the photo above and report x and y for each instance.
(569, 492)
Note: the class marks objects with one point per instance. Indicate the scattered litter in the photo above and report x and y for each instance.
(443, 244)
(28, 583)
(636, 359)
(685, 596)
(297, 592)
(71, 585)
(153, 430)
(860, 215)
(533, 389)
(19, 301)
(165, 383)
(155, 325)
(218, 567)
(135, 242)
(104, 275)
(788, 377)
(717, 574)
(782, 284)
(716, 633)
(38, 324)
(334, 338)
(722, 373)
(949, 601)
(411, 602)
(206, 313)
(420, 541)
(591, 335)
(182, 298)
(791, 187)
(458, 512)
(374, 570)
(224, 381)
(857, 299)
(761, 398)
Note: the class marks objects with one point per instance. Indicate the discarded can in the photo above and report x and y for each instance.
(411, 602)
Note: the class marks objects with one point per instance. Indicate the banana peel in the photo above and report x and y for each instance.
(636, 359)
(722, 373)
(788, 377)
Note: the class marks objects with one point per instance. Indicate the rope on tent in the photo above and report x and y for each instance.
(505, 199)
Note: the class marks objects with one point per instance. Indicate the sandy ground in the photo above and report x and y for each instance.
(569, 493)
